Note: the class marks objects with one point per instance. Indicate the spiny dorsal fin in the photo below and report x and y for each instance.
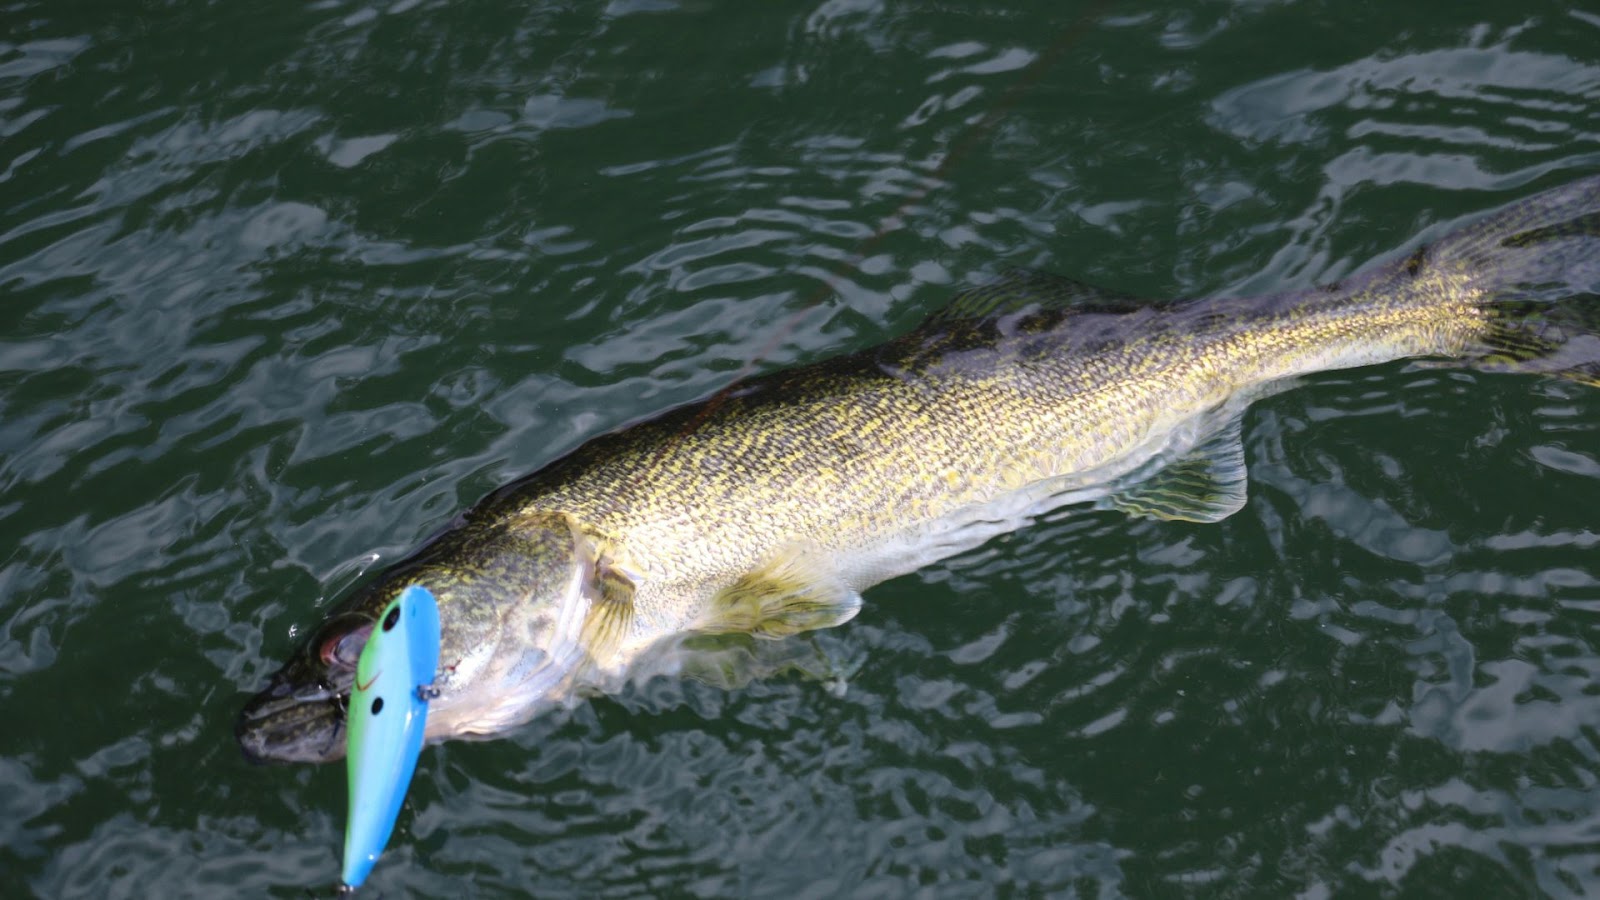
(791, 594)
(1207, 484)
(1019, 289)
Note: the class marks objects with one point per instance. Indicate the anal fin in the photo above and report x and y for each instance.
(1206, 484)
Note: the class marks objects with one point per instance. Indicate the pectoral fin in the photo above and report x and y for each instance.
(1207, 484)
(787, 596)
(609, 586)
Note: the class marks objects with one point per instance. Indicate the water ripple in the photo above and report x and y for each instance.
(277, 307)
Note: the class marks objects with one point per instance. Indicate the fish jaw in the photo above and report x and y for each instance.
(298, 718)
(523, 612)
(305, 720)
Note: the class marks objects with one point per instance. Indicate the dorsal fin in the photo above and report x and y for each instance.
(1019, 289)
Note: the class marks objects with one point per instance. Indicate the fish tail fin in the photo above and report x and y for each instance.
(1559, 339)
(1535, 264)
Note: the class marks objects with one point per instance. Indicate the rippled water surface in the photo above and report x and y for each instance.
(285, 286)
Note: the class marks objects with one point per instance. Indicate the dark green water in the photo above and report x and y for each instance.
(286, 285)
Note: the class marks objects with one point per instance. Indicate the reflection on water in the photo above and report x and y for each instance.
(286, 288)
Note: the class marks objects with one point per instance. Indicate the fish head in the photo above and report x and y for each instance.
(524, 608)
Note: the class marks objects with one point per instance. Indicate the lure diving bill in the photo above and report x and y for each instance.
(388, 714)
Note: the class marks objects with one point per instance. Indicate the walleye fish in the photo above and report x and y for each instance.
(768, 508)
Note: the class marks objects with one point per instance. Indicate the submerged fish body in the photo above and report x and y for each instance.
(768, 508)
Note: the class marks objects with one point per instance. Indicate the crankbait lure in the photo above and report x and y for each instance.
(388, 714)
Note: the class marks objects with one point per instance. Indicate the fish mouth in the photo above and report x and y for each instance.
(286, 723)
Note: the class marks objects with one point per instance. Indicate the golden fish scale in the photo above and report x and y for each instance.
(835, 456)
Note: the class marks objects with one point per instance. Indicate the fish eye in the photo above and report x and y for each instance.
(343, 651)
(377, 705)
(391, 618)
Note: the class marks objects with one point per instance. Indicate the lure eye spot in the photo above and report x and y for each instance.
(392, 618)
(377, 705)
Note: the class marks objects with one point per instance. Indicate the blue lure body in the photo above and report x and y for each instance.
(388, 716)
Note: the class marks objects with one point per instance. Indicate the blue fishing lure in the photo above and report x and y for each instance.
(388, 715)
